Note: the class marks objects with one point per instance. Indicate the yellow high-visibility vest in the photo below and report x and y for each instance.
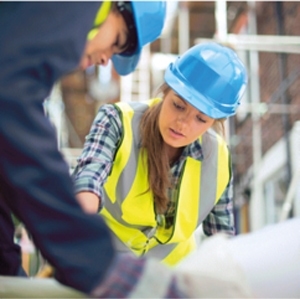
(129, 210)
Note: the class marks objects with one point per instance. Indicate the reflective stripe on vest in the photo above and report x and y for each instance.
(101, 16)
(129, 209)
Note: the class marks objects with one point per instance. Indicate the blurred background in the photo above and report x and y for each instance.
(264, 136)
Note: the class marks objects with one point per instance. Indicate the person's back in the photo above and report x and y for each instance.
(40, 42)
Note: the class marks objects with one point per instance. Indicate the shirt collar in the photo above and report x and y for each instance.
(193, 150)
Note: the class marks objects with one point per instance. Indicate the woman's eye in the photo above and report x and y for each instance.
(199, 118)
(177, 106)
(117, 42)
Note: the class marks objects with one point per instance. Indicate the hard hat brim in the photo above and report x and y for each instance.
(149, 19)
(193, 97)
(124, 65)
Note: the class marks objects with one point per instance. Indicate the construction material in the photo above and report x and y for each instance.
(20, 287)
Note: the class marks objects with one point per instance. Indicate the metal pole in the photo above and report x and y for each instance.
(183, 28)
(264, 43)
(221, 34)
(256, 202)
(284, 97)
(221, 20)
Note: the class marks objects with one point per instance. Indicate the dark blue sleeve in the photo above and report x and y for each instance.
(40, 42)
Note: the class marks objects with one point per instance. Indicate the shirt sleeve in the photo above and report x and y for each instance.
(95, 162)
(221, 218)
(130, 277)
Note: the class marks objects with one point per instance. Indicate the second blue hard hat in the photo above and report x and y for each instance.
(210, 77)
(149, 19)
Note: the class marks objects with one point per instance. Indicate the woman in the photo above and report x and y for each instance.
(159, 169)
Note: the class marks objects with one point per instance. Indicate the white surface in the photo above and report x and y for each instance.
(270, 259)
(263, 264)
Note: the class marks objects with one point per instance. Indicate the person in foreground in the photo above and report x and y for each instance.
(260, 264)
(40, 42)
(156, 170)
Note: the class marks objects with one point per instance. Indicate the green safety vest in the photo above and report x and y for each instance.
(129, 210)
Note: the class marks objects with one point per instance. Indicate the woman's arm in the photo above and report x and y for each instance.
(89, 201)
(96, 160)
(221, 218)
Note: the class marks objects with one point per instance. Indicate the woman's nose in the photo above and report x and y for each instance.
(103, 60)
(183, 117)
(105, 57)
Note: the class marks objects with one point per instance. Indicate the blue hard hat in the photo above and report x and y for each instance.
(149, 19)
(211, 77)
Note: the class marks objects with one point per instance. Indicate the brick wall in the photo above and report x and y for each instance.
(273, 125)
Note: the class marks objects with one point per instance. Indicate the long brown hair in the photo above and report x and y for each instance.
(154, 151)
(153, 148)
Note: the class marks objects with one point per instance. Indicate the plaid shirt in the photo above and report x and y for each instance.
(130, 277)
(96, 160)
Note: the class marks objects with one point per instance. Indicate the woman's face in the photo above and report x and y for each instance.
(111, 39)
(180, 123)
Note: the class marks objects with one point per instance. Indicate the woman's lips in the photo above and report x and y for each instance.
(175, 134)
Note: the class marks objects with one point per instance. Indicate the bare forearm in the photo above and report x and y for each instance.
(89, 201)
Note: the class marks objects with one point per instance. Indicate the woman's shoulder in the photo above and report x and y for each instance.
(137, 105)
(212, 135)
(212, 139)
(108, 110)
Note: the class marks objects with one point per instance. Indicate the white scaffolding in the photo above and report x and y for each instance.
(254, 43)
